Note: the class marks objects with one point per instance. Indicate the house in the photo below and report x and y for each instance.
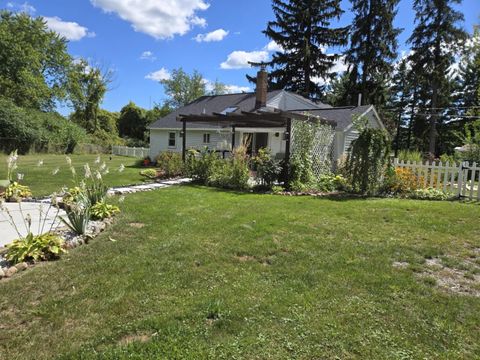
(219, 122)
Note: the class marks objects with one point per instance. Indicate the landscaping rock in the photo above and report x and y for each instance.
(2, 273)
(11, 271)
(3, 250)
(21, 266)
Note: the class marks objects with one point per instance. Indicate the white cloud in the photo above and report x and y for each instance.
(240, 59)
(70, 30)
(339, 67)
(25, 7)
(162, 74)
(230, 89)
(160, 19)
(148, 55)
(217, 35)
(272, 46)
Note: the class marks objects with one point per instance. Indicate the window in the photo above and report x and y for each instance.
(171, 139)
(206, 138)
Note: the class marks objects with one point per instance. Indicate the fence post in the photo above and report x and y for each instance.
(460, 179)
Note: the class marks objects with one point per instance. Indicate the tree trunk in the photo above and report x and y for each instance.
(412, 117)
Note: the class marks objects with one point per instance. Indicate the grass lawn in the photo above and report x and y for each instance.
(42, 182)
(193, 273)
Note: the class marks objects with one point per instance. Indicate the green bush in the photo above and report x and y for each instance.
(149, 173)
(430, 194)
(170, 164)
(410, 155)
(367, 161)
(268, 169)
(201, 165)
(102, 210)
(331, 182)
(34, 248)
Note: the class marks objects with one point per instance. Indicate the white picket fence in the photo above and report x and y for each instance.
(138, 152)
(461, 179)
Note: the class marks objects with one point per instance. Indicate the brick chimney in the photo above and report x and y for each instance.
(262, 88)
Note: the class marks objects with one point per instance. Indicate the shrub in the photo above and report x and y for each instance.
(35, 247)
(231, 173)
(15, 192)
(102, 210)
(170, 164)
(149, 173)
(403, 180)
(268, 169)
(367, 161)
(201, 165)
(331, 182)
(410, 155)
(430, 194)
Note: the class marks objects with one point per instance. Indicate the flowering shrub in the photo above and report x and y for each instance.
(404, 180)
(170, 164)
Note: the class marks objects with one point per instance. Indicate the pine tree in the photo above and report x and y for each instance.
(373, 47)
(303, 29)
(469, 75)
(433, 42)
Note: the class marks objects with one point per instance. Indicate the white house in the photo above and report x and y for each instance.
(166, 133)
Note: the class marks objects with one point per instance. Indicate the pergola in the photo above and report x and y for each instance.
(246, 119)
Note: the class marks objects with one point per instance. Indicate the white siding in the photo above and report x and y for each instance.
(350, 136)
(159, 140)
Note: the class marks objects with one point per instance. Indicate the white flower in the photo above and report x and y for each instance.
(98, 175)
(40, 163)
(103, 166)
(74, 172)
(88, 172)
(97, 160)
(20, 176)
(106, 171)
(121, 168)
(69, 160)
(121, 199)
(55, 171)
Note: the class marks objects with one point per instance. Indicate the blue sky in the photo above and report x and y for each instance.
(143, 40)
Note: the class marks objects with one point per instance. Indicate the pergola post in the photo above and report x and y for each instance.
(184, 140)
(288, 136)
(233, 138)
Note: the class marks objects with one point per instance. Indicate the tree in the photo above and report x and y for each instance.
(33, 62)
(433, 41)
(87, 87)
(182, 88)
(132, 122)
(469, 76)
(303, 29)
(373, 47)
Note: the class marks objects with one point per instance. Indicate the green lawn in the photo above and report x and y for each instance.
(42, 182)
(193, 273)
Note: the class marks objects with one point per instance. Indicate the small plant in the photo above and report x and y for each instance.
(149, 173)
(12, 164)
(202, 165)
(268, 169)
(102, 210)
(16, 192)
(410, 155)
(34, 248)
(430, 194)
(72, 195)
(331, 182)
(78, 215)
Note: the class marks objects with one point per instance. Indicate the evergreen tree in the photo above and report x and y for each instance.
(373, 48)
(469, 75)
(433, 42)
(303, 29)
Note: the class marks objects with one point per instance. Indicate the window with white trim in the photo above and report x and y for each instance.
(206, 138)
(171, 139)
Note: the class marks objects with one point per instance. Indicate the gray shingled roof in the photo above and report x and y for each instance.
(342, 116)
(207, 105)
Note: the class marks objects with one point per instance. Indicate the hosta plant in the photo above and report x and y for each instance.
(15, 192)
(149, 173)
(34, 248)
(102, 210)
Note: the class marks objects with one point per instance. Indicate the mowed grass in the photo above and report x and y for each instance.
(195, 273)
(42, 181)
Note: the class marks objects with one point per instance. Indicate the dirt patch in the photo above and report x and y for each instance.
(137, 225)
(262, 260)
(450, 274)
(129, 339)
(245, 258)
